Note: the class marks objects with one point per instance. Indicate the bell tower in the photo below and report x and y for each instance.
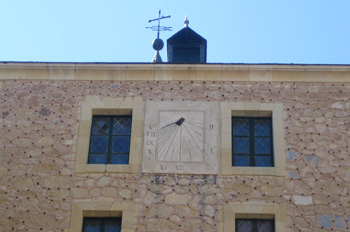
(186, 46)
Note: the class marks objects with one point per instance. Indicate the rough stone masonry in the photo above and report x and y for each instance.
(39, 121)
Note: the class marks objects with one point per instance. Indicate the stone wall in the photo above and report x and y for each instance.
(39, 121)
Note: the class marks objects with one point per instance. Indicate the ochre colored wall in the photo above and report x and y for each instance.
(38, 135)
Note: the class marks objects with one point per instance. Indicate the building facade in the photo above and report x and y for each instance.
(191, 160)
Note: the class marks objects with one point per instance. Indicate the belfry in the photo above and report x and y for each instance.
(186, 46)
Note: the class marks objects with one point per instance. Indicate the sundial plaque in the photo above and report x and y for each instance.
(181, 137)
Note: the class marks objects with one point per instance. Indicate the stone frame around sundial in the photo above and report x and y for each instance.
(181, 137)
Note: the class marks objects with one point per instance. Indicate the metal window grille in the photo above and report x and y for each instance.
(252, 142)
(110, 140)
(255, 225)
(102, 225)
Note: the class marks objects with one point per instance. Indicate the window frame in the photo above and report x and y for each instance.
(254, 210)
(127, 211)
(95, 105)
(255, 220)
(103, 220)
(252, 137)
(243, 109)
(110, 137)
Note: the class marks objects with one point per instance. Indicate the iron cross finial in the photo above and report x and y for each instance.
(159, 28)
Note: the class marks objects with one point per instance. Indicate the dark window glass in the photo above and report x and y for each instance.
(252, 142)
(241, 145)
(102, 225)
(244, 225)
(110, 140)
(121, 126)
(262, 145)
(99, 144)
(265, 225)
(255, 225)
(241, 160)
(97, 158)
(241, 127)
(186, 55)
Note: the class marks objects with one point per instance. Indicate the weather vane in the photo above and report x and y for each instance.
(157, 43)
(159, 28)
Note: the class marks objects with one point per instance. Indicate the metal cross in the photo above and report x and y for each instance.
(159, 28)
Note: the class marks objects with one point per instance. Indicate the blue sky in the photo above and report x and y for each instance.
(237, 31)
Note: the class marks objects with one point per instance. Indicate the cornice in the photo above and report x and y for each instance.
(169, 72)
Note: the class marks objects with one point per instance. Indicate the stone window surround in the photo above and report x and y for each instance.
(242, 109)
(95, 105)
(257, 211)
(81, 209)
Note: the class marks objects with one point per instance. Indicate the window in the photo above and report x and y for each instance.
(271, 164)
(92, 159)
(255, 225)
(255, 217)
(102, 225)
(103, 215)
(110, 140)
(252, 142)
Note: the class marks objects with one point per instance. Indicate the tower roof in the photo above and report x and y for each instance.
(186, 46)
(186, 36)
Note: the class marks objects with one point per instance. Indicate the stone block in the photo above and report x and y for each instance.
(156, 224)
(186, 212)
(178, 199)
(80, 193)
(325, 220)
(294, 175)
(292, 155)
(339, 222)
(159, 210)
(302, 200)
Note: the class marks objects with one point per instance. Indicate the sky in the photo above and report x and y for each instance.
(237, 31)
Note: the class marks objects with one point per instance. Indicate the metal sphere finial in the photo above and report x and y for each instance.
(158, 44)
(186, 21)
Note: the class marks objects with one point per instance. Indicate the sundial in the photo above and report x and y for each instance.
(181, 137)
(182, 140)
